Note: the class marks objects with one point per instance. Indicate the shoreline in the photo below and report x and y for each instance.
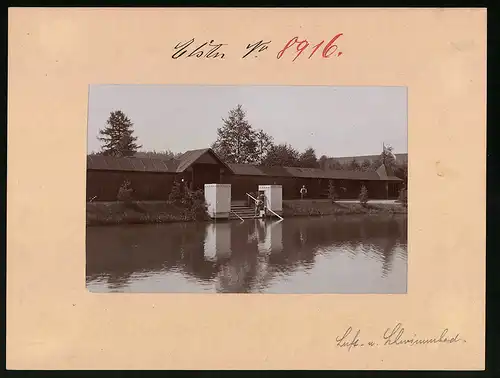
(159, 212)
(322, 207)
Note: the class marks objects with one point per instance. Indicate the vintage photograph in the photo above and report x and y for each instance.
(247, 189)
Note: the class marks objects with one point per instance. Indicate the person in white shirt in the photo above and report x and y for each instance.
(303, 192)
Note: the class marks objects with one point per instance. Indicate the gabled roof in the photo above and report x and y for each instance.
(146, 164)
(189, 157)
(111, 163)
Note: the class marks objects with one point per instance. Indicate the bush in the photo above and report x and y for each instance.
(192, 201)
(195, 203)
(125, 192)
(198, 210)
(403, 197)
(193, 196)
(332, 193)
(177, 193)
(363, 196)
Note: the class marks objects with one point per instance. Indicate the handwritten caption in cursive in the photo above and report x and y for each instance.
(292, 49)
(395, 336)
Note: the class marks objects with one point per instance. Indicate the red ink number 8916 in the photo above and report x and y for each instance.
(328, 50)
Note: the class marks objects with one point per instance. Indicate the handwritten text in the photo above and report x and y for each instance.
(294, 49)
(394, 336)
(328, 50)
(206, 50)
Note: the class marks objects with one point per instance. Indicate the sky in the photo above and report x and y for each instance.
(335, 121)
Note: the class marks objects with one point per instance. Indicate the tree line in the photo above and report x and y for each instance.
(239, 143)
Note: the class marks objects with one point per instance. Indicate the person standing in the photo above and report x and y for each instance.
(257, 206)
(303, 192)
(260, 205)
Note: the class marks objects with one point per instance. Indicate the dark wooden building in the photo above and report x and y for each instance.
(152, 179)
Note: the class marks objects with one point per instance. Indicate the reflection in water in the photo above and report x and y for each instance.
(298, 255)
(217, 241)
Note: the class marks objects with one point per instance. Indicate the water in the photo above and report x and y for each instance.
(350, 254)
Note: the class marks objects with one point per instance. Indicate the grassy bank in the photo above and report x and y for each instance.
(103, 213)
(325, 207)
(107, 213)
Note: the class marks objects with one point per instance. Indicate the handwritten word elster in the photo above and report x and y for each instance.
(200, 51)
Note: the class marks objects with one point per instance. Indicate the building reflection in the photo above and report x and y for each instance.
(217, 244)
(248, 266)
(272, 242)
(236, 257)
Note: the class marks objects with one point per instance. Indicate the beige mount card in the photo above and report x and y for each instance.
(55, 322)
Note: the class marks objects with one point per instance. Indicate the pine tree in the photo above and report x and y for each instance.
(264, 144)
(117, 137)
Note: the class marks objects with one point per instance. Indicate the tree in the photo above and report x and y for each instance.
(264, 143)
(332, 193)
(117, 137)
(387, 157)
(376, 163)
(366, 165)
(307, 159)
(282, 155)
(401, 171)
(363, 196)
(323, 162)
(354, 165)
(236, 140)
(164, 155)
(335, 165)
